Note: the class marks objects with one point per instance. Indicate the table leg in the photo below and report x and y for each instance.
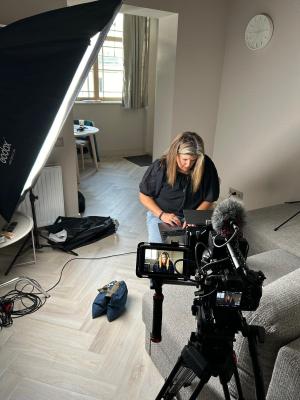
(77, 169)
(93, 144)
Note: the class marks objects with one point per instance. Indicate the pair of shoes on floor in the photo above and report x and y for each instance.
(111, 300)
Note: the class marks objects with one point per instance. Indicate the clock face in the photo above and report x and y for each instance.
(259, 31)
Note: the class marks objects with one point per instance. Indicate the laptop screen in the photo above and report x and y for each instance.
(197, 217)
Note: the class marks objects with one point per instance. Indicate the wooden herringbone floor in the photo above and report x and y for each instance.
(60, 352)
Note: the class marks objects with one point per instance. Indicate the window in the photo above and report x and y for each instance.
(105, 79)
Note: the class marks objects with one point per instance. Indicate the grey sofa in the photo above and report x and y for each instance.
(276, 254)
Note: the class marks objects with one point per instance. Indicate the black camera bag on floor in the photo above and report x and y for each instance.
(81, 231)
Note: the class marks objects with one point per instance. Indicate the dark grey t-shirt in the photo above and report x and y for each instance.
(180, 196)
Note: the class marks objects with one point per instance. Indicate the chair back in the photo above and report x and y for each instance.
(86, 122)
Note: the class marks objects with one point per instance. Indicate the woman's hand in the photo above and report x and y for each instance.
(185, 225)
(170, 219)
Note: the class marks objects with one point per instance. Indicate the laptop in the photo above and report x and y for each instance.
(171, 233)
(197, 217)
(176, 233)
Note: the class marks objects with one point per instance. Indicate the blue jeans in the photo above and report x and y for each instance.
(153, 230)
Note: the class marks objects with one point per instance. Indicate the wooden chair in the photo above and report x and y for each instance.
(83, 142)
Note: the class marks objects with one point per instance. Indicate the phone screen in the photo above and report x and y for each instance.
(165, 261)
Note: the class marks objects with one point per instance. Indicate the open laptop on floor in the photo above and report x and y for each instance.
(177, 234)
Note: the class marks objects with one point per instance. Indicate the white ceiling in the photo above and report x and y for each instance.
(127, 9)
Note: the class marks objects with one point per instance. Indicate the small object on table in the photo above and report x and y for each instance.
(11, 226)
(7, 234)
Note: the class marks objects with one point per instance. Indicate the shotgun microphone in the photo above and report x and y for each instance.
(228, 216)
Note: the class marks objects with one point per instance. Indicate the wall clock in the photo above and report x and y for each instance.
(259, 31)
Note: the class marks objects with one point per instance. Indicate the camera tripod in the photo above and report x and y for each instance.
(211, 354)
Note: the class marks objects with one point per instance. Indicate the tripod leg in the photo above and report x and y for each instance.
(259, 383)
(203, 381)
(238, 382)
(225, 388)
(169, 381)
(189, 365)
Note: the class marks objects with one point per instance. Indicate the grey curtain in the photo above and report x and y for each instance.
(136, 61)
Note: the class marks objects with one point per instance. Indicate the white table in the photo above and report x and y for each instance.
(90, 132)
(23, 228)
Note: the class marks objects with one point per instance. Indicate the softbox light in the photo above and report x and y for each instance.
(44, 60)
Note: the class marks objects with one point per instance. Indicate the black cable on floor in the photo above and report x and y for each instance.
(22, 300)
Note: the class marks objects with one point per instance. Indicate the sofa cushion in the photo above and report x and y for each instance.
(279, 314)
(285, 382)
(274, 264)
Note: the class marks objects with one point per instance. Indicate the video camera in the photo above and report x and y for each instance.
(214, 261)
(208, 261)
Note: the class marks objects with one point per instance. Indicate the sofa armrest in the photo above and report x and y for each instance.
(285, 382)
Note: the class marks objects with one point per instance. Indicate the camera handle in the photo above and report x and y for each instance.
(158, 299)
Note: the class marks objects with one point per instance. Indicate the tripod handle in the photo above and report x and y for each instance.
(158, 299)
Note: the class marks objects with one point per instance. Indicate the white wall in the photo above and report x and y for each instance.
(187, 85)
(122, 131)
(150, 111)
(165, 83)
(198, 68)
(125, 132)
(257, 137)
(13, 10)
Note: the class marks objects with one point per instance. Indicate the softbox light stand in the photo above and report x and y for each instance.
(36, 233)
(55, 51)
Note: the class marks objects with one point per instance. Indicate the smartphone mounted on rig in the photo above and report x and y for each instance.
(170, 262)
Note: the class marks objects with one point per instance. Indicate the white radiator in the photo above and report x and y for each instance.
(50, 202)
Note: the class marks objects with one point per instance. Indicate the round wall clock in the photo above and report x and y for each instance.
(259, 31)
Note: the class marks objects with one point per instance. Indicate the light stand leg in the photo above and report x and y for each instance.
(16, 256)
(279, 226)
(36, 234)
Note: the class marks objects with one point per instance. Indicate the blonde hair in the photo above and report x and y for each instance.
(185, 143)
(167, 259)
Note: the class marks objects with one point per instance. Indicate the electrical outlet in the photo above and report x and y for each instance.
(237, 193)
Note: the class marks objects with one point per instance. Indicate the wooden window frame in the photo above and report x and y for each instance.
(95, 67)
